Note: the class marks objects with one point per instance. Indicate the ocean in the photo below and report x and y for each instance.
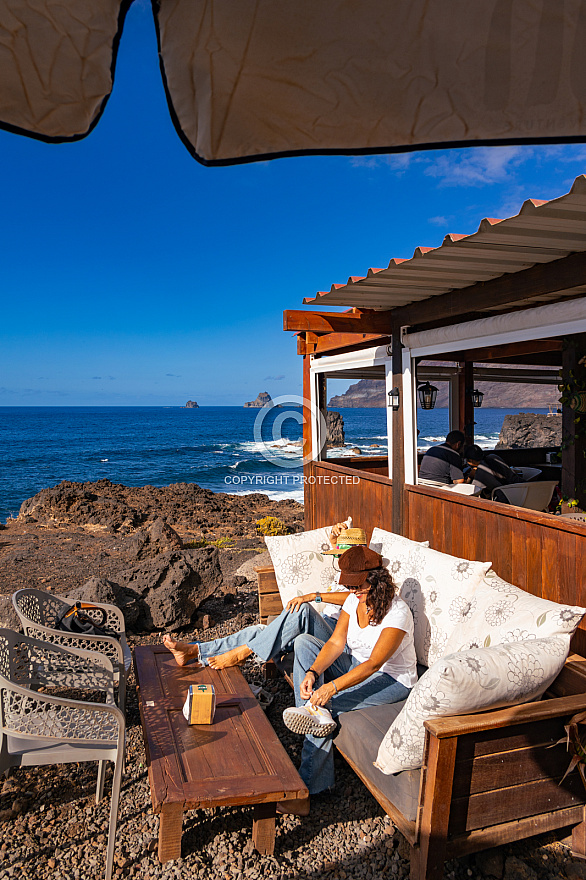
(214, 447)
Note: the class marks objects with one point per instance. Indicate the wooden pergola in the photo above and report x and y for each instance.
(512, 295)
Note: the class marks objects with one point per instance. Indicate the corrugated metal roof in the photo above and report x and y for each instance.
(542, 231)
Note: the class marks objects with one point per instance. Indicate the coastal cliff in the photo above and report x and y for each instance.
(371, 392)
(263, 399)
(527, 430)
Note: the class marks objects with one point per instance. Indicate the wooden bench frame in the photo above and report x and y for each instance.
(487, 779)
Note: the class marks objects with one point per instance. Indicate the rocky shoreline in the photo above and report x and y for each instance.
(50, 824)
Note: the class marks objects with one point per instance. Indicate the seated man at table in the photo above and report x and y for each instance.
(489, 472)
(443, 463)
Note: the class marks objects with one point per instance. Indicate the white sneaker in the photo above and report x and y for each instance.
(308, 719)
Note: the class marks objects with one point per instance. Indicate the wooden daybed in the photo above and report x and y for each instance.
(487, 779)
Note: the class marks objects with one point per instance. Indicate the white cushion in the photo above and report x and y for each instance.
(469, 681)
(436, 586)
(499, 612)
(300, 564)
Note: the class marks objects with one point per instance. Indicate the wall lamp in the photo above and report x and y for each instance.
(427, 394)
(394, 399)
(476, 396)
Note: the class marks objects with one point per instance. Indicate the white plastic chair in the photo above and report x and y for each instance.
(576, 515)
(38, 612)
(42, 729)
(534, 496)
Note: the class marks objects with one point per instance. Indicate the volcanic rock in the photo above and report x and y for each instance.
(158, 537)
(128, 601)
(335, 426)
(263, 399)
(8, 616)
(173, 585)
(191, 404)
(527, 430)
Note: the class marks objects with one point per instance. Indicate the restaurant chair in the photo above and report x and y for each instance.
(38, 612)
(534, 496)
(39, 729)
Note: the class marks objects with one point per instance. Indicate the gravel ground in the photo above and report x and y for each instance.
(52, 828)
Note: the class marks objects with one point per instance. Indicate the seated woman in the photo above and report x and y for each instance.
(369, 660)
(275, 639)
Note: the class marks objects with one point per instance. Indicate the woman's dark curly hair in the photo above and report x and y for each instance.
(380, 595)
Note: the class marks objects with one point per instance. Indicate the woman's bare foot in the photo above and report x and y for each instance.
(182, 651)
(230, 658)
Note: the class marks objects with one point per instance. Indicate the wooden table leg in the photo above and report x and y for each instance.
(170, 828)
(263, 828)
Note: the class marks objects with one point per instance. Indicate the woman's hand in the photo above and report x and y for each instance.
(306, 688)
(324, 694)
(335, 533)
(296, 602)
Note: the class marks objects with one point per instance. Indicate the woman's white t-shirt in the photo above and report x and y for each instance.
(402, 666)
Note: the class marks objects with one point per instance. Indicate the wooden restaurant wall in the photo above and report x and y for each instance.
(541, 553)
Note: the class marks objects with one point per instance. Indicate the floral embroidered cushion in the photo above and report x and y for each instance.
(437, 587)
(483, 678)
(499, 612)
(300, 564)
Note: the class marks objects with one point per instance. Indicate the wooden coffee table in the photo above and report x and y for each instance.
(235, 761)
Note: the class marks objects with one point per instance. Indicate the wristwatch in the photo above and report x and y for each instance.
(318, 598)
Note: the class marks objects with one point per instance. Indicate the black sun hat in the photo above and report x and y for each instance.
(355, 564)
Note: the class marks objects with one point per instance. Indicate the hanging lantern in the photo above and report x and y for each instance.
(394, 399)
(476, 396)
(427, 395)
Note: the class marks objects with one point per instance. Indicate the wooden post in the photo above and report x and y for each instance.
(307, 445)
(573, 431)
(263, 828)
(398, 454)
(170, 829)
(466, 415)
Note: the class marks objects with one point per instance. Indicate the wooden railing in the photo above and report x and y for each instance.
(538, 552)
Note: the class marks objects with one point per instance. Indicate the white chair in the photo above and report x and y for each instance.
(42, 729)
(534, 496)
(576, 515)
(38, 612)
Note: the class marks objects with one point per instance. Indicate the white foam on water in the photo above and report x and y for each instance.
(272, 494)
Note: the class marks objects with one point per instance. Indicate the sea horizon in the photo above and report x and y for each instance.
(212, 446)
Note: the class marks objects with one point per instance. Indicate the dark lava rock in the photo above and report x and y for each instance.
(158, 537)
(101, 590)
(8, 616)
(173, 585)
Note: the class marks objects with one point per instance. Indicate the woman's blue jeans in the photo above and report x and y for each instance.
(317, 759)
(274, 639)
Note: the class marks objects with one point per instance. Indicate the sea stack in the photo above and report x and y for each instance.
(263, 399)
(191, 404)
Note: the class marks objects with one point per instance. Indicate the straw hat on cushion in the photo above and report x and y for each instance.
(355, 564)
(347, 538)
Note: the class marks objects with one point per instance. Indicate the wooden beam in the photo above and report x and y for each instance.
(348, 341)
(355, 321)
(514, 287)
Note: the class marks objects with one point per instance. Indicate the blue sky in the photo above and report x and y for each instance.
(131, 275)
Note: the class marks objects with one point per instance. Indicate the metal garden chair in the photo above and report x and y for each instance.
(38, 612)
(41, 729)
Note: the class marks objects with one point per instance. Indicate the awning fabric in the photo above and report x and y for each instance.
(250, 79)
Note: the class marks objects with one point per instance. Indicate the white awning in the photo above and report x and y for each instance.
(540, 233)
